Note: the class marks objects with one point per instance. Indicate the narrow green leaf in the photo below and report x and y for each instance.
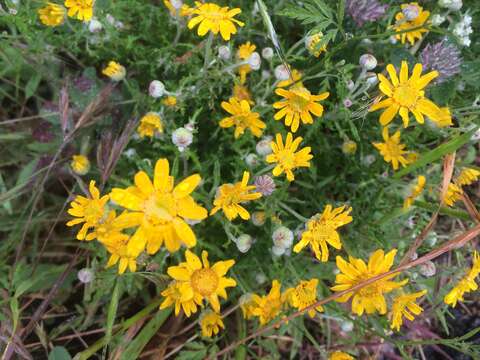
(437, 153)
(59, 353)
(32, 85)
(112, 311)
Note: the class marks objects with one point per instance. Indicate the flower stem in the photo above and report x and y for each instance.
(293, 212)
(208, 53)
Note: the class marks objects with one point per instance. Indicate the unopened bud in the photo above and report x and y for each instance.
(368, 62)
(282, 73)
(267, 53)
(410, 12)
(244, 243)
(283, 237)
(224, 52)
(85, 275)
(264, 147)
(156, 89)
(255, 61)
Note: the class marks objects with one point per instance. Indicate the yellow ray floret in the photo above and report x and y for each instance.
(211, 323)
(415, 193)
(242, 118)
(52, 14)
(404, 306)
(80, 9)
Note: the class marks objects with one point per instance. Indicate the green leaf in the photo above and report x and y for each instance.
(112, 311)
(136, 346)
(26, 172)
(443, 93)
(437, 153)
(59, 353)
(32, 85)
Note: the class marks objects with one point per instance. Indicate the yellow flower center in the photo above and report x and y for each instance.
(160, 208)
(372, 290)
(393, 149)
(406, 96)
(300, 99)
(286, 158)
(204, 281)
(93, 212)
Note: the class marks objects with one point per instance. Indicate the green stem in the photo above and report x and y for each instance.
(292, 212)
(208, 53)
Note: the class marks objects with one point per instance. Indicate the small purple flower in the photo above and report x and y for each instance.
(265, 185)
(365, 10)
(442, 57)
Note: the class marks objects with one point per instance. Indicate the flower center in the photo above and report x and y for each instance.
(160, 208)
(406, 96)
(371, 291)
(204, 281)
(286, 158)
(93, 213)
(300, 100)
(393, 149)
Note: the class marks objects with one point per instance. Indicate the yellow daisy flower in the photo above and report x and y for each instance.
(404, 305)
(322, 230)
(287, 157)
(114, 71)
(89, 211)
(241, 93)
(242, 118)
(268, 307)
(297, 105)
(111, 227)
(467, 176)
(304, 295)
(392, 150)
(312, 42)
(243, 53)
(214, 18)
(52, 14)
(294, 79)
(150, 124)
(402, 23)
(371, 297)
(173, 295)
(80, 164)
(465, 285)
(230, 196)
(406, 95)
(161, 209)
(80, 9)
(121, 253)
(416, 191)
(247, 305)
(444, 118)
(340, 355)
(170, 101)
(210, 323)
(201, 280)
(453, 194)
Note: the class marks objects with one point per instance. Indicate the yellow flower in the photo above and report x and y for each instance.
(200, 280)
(211, 322)
(111, 227)
(453, 194)
(322, 230)
(406, 95)
(287, 157)
(340, 355)
(242, 118)
(173, 295)
(404, 305)
(416, 191)
(114, 71)
(214, 18)
(52, 14)
(241, 93)
(80, 9)
(230, 196)
(465, 285)
(89, 211)
(349, 147)
(371, 297)
(268, 307)
(444, 118)
(121, 253)
(312, 42)
(161, 209)
(244, 52)
(403, 24)
(304, 295)
(80, 164)
(247, 305)
(294, 79)
(467, 176)
(391, 150)
(150, 124)
(297, 105)
(185, 10)
(170, 101)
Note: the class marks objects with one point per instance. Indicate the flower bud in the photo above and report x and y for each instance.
(156, 89)
(224, 52)
(265, 185)
(428, 269)
(255, 61)
(346, 326)
(410, 12)
(347, 103)
(80, 164)
(282, 73)
(264, 147)
(252, 160)
(267, 53)
(95, 26)
(177, 4)
(282, 237)
(368, 62)
(438, 19)
(85, 275)
(244, 243)
(260, 278)
(349, 147)
(182, 138)
(371, 79)
(350, 85)
(258, 218)
(278, 251)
